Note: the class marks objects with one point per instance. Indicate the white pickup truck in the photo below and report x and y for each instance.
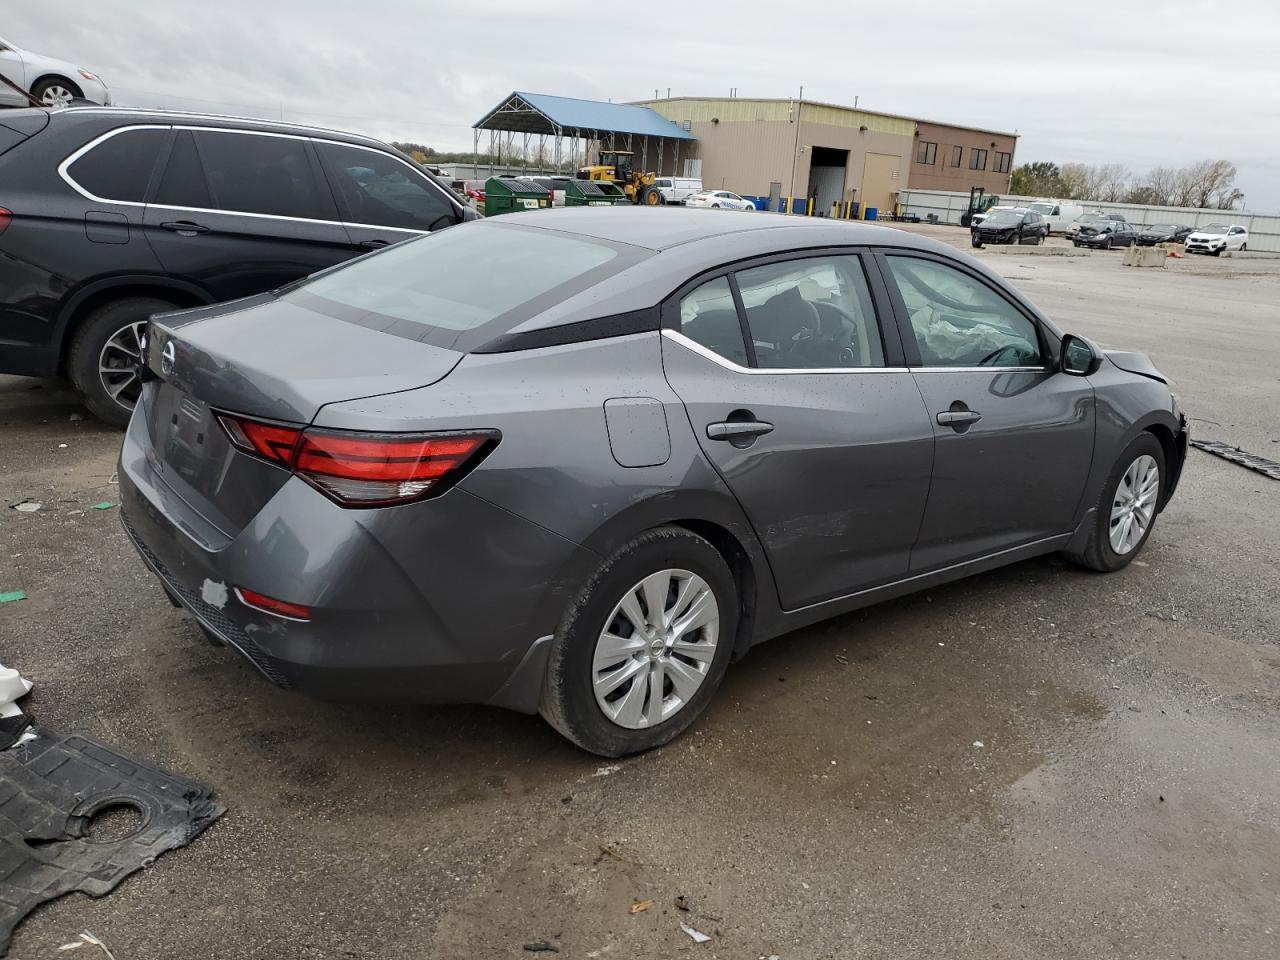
(677, 189)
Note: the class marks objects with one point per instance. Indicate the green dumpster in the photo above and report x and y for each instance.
(508, 194)
(593, 193)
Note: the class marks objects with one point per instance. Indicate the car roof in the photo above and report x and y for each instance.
(661, 228)
(136, 115)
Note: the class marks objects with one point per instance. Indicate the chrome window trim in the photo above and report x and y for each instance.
(65, 165)
(676, 337)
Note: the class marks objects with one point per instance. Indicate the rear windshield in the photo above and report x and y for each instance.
(457, 287)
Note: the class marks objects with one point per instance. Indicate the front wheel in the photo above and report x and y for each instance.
(55, 92)
(1244, 247)
(643, 647)
(715, 206)
(106, 353)
(976, 242)
(1126, 510)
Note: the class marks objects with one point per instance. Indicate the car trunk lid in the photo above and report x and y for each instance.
(264, 359)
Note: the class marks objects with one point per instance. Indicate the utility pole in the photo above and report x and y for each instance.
(795, 152)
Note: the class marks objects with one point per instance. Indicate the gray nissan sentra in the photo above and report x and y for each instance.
(578, 461)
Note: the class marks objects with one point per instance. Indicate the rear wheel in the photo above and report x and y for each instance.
(106, 354)
(1126, 510)
(643, 647)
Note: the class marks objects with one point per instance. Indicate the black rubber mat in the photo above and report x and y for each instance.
(51, 788)
(1268, 468)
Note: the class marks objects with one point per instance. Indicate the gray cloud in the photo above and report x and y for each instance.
(1140, 84)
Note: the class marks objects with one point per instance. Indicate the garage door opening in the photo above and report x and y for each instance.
(827, 168)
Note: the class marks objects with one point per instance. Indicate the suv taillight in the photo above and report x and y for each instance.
(365, 469)
(6, 217)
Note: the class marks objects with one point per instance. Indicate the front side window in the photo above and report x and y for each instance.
(977, 159)
(378, 189)
(708, 317)
(119, 168)
(959, 321)
(255, 173)
(811, 314)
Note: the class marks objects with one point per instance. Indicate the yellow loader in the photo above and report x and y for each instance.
(619, 167)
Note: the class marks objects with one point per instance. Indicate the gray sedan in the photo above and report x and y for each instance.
(577, 461)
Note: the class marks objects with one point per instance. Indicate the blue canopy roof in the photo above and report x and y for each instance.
(543, 114)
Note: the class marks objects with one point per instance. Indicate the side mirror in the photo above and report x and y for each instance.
(1079, 357)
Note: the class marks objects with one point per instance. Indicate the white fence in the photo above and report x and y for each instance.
(1264, 229)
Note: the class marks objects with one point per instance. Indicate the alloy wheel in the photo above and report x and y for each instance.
(56, 96)
(118, 364)
(656, 649)
(1134, 505)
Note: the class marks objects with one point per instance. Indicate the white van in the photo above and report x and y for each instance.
(677, 189)
(1057, 213)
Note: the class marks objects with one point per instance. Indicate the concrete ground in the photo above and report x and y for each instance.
(1037, 762)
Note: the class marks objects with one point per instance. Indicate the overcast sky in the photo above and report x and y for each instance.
(1141, 83)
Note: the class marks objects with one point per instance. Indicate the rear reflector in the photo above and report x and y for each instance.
(6, 218)
(365, 469)
(278, 608)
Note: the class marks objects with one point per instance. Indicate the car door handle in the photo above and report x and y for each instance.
(737, 429)
(373, 244)
(958, 418)
(184, 228)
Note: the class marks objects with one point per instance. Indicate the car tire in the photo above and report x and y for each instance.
(715, 206)
(46, 87)
(1099, 553)
(106, 338)
(1107, 244)
(1244, 247)
(570, 702)
(976, 243)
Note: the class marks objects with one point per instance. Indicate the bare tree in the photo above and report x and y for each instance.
(1075, 181)
(1111, 182)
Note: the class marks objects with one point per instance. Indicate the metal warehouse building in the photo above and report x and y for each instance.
(833, 155)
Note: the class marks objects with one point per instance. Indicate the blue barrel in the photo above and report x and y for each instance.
(871, 213)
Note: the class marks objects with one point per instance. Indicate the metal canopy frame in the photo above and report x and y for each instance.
(573, 146)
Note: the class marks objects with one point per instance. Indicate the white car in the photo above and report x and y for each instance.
(55, 83)
(718, 198)
(1057, 213)
(1215, 237)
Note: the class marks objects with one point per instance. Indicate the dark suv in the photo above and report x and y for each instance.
(108, 216)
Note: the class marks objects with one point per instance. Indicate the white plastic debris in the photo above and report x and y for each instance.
(13, 687)
(698, 936)
(91, 940)
(979, 744)
(214, 593)
(605, 771)
(28, 506)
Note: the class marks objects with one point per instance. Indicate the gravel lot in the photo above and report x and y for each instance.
(1037, 762)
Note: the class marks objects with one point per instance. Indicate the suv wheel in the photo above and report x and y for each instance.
(105, 354)
(643, 648)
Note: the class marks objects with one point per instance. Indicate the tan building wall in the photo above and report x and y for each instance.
(746, 145)
(944, 174)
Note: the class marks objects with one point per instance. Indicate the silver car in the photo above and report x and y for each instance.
(578, 461)
(53, 82)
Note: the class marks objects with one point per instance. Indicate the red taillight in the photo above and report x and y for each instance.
(6, 217)
(363, 469)
(279, 608)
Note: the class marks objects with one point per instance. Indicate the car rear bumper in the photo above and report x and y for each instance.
(441, 604)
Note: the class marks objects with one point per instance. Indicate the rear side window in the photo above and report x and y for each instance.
(378, 189)
(119, 168)
(256, 173)
(183, 183)
(708, 316)
(439, 287)
(811, 314)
